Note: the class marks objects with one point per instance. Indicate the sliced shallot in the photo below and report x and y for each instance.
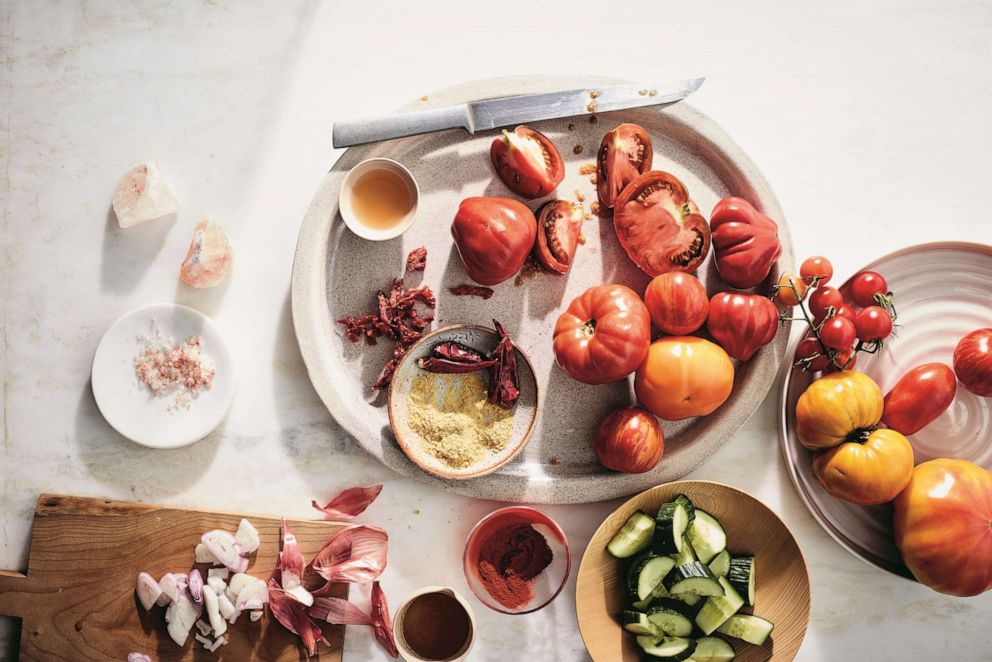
(247, 536)
(138, 657)
(238, 582)
(181, 615)
(173, 585)
(226, 607)
(148, 590)
(194, 582)
(338, 611)
(252, 596)
(203, 555)
(293, 616)
(226, 549)
(353, 554)
(255, 615)
(350, 502)
(217, 621)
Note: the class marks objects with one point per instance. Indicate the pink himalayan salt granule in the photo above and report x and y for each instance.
(182, 368)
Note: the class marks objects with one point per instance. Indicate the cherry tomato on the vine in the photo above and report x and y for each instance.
(810, 347)
(873, 323)
(838, 333)
(865, 286)
(786, 295)
(843, 360)
(817, 267)
(822, 298)
(846, 311)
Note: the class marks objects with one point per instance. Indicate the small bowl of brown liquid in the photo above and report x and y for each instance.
(379, 199)
(435, 624)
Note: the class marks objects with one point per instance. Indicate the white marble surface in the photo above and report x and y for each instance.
(871, 122)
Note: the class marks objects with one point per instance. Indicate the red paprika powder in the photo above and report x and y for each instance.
(509, 561)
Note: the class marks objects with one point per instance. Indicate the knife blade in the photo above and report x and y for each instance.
(489, 114)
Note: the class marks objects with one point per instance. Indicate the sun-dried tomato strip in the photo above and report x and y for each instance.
(416, 260)
(472, 291)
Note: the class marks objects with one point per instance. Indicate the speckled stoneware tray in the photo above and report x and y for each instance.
(942, 292)
(336, 274)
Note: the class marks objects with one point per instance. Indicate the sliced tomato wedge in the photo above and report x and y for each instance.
(624, 155)
(659, 226)
(559, 225)
(527, 162)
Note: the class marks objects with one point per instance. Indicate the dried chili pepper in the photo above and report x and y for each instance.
(504, 379)
(416, 260)
(454, 357)
(472, 290)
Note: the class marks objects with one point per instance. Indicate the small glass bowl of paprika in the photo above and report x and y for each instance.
(517, 560)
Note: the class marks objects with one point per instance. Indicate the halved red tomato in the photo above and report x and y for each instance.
(624, 155)
(527, 162)
(559, 224)
(659, 226)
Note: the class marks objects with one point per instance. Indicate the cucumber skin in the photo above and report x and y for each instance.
(617, 548)
(666, 539)
(739, 575)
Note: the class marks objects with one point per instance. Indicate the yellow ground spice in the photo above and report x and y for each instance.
(455, 422)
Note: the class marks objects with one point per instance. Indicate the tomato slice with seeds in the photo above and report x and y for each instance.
(527, 162)
(659, 226)
(624, 155)
(559, 224)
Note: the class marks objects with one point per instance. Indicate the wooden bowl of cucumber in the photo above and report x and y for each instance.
(692, 570)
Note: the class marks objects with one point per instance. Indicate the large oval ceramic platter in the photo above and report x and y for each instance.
(942, 292)
(337, 274)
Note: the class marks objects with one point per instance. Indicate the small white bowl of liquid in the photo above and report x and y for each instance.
(379, 199)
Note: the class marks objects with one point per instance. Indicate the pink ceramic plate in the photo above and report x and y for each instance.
(942, 291)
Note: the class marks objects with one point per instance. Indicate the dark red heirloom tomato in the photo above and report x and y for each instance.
(919, 397)
(659, 226)
(745, 241)
(604, 335)
(677, 302)
(742, 323)
(493, 237)
(527, 162)
(624, 155)
(559, 224)
(973, 362)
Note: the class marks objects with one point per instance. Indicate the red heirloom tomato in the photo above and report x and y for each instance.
(629, 440)
(684, 376)
(604, 334)
(493, 237)
(742, 323)
(943, 526)
(677, 302)
(659, 226)
(973, 362)
(559, 224)
(624, 155)
(919, 397)
(527, 162)
(745, 241)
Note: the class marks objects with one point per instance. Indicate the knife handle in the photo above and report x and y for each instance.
(358, 132)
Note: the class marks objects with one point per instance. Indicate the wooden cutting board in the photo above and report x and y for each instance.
(77, 601)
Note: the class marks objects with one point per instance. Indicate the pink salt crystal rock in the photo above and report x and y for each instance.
(142, 195)
(209, 256)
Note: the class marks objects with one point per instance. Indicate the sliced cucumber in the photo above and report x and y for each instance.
(707, 536)
(719, 608)
(650, 574)
(720, 565)
(690, 508)
(638, 623)
(693, 578)
(668, 649)
(671, 523)
(634, 536)
(713, 649)
(752, 629)
(631, 567)
(686, 555)
(741, 576)
(690, 600)
(671, 616)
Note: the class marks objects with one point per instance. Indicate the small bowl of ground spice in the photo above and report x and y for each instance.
(517, 560)
(463, 401)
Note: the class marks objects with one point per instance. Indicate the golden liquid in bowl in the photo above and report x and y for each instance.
(381, 199)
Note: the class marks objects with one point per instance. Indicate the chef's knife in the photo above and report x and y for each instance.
(510, 111)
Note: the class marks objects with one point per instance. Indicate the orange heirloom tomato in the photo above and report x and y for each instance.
(866, 472)
(684, 376)
(837, 416)
(603, 336)
(943, 526)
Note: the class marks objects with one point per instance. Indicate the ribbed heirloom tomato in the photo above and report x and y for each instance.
(603, 335)
(527, 162)
(742, 323)
(746, 242)
(943, 526)
(684, 376)
(973, 362)
(493, 237)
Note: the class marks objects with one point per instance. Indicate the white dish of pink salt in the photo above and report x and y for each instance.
(163, 376)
